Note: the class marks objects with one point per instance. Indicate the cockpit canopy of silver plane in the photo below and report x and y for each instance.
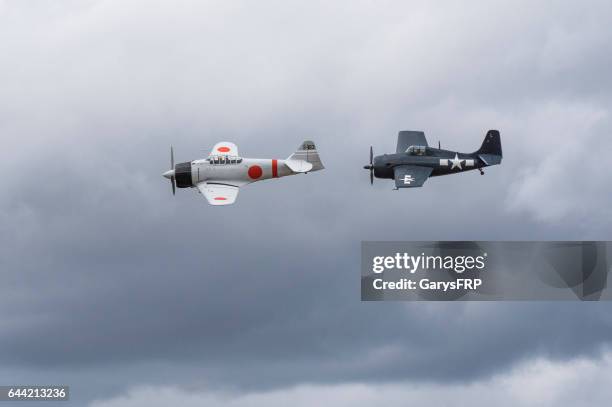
(223, 160)
(414, 161)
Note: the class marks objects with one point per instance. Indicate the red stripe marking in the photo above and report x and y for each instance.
(220, 198)
(275, 168)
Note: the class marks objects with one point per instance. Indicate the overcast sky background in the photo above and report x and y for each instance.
(133, 297)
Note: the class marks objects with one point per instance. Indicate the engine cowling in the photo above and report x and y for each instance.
(182, 174)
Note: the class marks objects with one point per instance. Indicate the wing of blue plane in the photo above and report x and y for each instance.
(411, 176)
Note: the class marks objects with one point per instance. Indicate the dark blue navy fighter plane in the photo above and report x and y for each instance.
(414, 161)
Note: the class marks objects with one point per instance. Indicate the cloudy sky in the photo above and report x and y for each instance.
(134, 297)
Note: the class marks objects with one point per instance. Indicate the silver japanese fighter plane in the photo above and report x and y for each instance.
(219, 176)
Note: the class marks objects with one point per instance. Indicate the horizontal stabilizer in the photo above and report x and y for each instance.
(298, 165)
(490, 159)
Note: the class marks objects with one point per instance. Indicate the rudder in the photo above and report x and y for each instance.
(491, 144)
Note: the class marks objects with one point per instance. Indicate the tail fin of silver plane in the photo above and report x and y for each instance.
(305, 159)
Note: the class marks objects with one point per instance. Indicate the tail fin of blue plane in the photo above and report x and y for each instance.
(491, 150)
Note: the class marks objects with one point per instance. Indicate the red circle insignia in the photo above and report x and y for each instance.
(255, 171)
(223, 149)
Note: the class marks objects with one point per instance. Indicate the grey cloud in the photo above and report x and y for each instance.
(538, 383)
(107, 274)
